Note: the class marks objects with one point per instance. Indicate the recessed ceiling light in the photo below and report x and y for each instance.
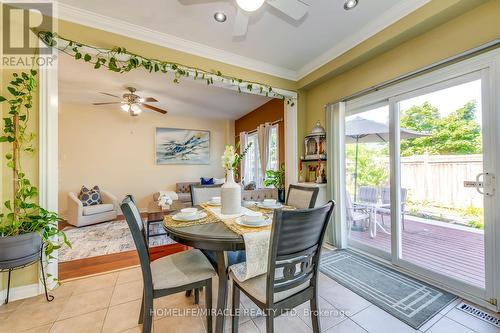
(350, 4)
(250, 5)
(220, 17)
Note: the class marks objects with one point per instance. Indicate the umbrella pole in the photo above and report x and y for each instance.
(356, 171)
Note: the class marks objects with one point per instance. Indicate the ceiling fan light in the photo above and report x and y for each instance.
(250, 5)
(135, 109)
(220, 17)
(125, 107)
(350, 4)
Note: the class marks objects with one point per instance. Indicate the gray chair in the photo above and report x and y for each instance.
(292, 276)
(368, 194)
(168, 275)
(385, 208)
(203, 193)
(354, 215)
(302, 197)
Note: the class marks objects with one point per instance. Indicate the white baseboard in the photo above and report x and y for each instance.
(20, 292)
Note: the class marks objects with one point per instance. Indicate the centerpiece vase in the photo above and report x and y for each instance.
(230, 195)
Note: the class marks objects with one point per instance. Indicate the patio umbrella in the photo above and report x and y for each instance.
(362, 130)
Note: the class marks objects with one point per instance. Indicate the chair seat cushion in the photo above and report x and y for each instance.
(257, 288)
(356, 216)
(97, 209)
(180, 269)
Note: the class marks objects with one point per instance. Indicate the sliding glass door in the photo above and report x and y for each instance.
(419, 170)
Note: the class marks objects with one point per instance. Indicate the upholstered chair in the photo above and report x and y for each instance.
(79, 215)
(302, 197)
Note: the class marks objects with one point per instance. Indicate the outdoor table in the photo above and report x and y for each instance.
(372, 208)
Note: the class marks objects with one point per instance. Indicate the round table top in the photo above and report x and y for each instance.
(211, 236)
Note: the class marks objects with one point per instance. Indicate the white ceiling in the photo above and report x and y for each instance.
(274, 44)
(80, 83)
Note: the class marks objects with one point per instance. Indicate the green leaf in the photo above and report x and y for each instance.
(97, 65)
(78, 55)
(7, 205)
(2, 99)
(87, 57)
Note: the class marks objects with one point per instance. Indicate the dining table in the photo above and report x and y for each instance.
(216, 237)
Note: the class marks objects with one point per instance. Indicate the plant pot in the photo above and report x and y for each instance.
(16, 251)
(230, 195)
(281, 195)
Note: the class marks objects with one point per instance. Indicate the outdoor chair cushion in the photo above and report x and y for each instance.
(180, 269)
(257, 288)
(97, 209)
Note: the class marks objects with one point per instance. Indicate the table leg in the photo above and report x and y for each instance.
(222, 293)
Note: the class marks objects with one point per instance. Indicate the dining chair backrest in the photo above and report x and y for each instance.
(386, 195)
(302, 197)
(295, 247)
(203, 193)
(368, 194)
(134, 221)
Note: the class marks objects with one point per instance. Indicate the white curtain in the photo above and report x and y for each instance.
(263, 135)
(243, 145)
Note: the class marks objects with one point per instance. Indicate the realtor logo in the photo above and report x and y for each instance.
(20, 20)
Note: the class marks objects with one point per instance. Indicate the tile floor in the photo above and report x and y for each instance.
(111, 302)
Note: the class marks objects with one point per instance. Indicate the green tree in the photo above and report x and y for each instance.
(457, 133)
(373, 169)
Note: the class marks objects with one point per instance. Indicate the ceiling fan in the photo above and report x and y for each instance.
(132, 103)
(296, 9)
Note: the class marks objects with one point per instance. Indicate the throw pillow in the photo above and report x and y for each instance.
(219, 181)
(90, 197)
(250, 186)
(206, 181)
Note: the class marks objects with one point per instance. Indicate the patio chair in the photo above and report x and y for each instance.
(354, 215)
(168, 275)
(385, 208)
(293, 267)
(368, 194)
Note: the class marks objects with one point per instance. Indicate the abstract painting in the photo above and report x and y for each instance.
(182, 146)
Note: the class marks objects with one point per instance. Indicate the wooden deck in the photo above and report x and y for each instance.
(452, 252)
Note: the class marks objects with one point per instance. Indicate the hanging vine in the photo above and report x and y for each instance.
(121, 60)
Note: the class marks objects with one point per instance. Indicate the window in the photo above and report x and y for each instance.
(253, 170)
(273, 161)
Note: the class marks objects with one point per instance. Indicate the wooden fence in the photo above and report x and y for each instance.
(439, 179)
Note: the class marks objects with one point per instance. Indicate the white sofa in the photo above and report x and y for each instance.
(80, 216)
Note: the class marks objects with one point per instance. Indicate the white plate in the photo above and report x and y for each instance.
(276, 206)
(264, 223)
(178, 217)
(211, 203)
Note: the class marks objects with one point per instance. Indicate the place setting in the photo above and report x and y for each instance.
(252, 219)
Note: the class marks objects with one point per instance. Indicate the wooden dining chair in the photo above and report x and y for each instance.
(168, 275)
(302, 197)
(292, 276)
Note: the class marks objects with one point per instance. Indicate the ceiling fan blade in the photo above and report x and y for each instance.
(150, 99)
(240, 23)
(109, 94)
(106, 103)
(296, 9)
(154, 108)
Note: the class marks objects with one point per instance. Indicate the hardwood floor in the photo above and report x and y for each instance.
(88, 266)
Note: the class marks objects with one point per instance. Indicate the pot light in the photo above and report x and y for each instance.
(250, 5)
(220, 17)
(350, 4)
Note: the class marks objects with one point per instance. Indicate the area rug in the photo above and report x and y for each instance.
(105, 238)
(410, 300)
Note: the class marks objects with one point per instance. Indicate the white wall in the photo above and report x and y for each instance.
(106, 147)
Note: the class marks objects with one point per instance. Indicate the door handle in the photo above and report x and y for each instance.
(488, 184)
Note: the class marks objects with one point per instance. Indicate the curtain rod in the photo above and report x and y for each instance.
(443, 63)
(255, 130)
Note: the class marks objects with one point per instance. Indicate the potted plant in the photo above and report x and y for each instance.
(276, 178)
(24, 225)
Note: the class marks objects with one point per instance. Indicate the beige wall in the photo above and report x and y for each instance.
(109, 148)
(475, 27)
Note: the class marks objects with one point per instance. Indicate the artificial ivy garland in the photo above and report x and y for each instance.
(121, 60)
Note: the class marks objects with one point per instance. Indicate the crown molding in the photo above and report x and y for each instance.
(383, 21)
(95, 20)
(98, 21)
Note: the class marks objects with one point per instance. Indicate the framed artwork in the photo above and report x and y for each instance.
(182, 146)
